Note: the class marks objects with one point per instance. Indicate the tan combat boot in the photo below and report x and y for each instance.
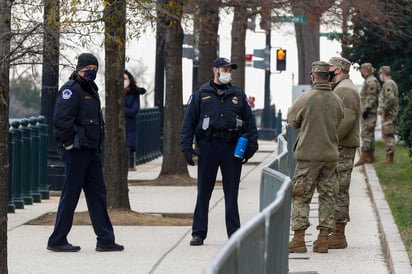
(337, 239)
(365, 158)
(297, 245)
(321, 244)
(389, 159)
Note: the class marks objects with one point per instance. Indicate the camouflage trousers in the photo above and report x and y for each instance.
(308, 176)
(344, 172)
(388, 135)
(368, 132)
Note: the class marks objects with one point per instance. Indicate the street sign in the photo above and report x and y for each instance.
(262, 53)
(330, 35)
(298, 19)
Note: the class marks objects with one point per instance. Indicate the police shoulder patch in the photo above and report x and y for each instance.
(66, 94)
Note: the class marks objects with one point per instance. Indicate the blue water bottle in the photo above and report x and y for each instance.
(241, 147)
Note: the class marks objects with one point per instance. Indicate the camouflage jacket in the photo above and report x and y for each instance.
(370, 94)
(348, 130)
(388, 100)
(317, 113)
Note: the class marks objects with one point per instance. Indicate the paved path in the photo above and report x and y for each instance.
(166, 249)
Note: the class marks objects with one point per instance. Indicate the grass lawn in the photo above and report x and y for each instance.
(396, 182)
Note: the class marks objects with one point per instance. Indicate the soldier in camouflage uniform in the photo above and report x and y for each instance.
(348, 134)
(369, 101)
(388, 109)
(317, 113)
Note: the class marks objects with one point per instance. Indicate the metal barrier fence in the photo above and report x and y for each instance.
(28, 139)
(261, 246)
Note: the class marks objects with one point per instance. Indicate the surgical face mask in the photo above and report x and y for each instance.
(381, 78)
(225, 77)
(126, 83)
(90, 74)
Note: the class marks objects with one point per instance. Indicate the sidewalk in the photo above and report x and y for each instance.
(166, 249)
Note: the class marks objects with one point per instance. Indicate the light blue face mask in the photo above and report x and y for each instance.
(90, 74)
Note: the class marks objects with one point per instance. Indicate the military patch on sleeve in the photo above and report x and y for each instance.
(66, 94)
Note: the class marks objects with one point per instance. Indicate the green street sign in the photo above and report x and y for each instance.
(298, 19)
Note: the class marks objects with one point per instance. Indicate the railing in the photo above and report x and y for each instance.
(28, 155)
(28, 139)
(261, 246)
(148, 135)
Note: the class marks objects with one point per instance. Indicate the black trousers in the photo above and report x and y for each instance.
(83, 170)
(212, 155)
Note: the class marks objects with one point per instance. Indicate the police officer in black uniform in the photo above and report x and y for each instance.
(217, 115)
(78, 125)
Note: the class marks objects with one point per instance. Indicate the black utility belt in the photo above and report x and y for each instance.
(224, 134)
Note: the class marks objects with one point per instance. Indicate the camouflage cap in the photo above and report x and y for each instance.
(385, 69)
(366, 66)
(320, 66)
(340, 62)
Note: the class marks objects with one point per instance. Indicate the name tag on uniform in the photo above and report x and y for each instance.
(205, 123)
(87, 97)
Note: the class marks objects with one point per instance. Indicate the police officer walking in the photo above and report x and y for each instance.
(388, 109)
(348, 134)
(79, 130)
(369, 102)
(217, 115)
(317, 113)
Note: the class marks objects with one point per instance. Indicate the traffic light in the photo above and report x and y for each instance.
(281, 59)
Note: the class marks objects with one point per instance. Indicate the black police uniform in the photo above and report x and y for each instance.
(217, 115)
(78, 121)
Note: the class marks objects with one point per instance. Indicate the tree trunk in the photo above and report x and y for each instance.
(239, 26)
(5, 30)
(116, 160)
(173, 160)
(307, 40)
(208, 45)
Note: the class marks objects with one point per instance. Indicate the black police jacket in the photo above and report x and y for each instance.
(210, 110)
(77, 117)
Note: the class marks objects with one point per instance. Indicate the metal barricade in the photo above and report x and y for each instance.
(261, 245)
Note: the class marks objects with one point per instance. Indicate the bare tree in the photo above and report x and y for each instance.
(170, 16)
(115, 149)
(5, 35)
(208, 40)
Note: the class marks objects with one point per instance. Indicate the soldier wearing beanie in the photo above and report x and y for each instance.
(317, 113)
(79, 131)
(369, 107)
(388, 109)
(348, 134)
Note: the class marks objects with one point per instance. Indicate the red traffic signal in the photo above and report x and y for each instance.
(281, 59)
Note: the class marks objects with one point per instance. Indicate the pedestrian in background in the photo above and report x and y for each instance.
(348, 134)
(388, 109)
(131, 108)
(79, 130)
(317, 113)
(217, 115)
(369, 103)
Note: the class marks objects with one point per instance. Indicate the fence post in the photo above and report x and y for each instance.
(11, 208)
(34, 160)
(15, 165)
(43, 134)
(25, 163)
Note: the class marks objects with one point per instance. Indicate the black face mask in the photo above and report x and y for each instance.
(331, 75)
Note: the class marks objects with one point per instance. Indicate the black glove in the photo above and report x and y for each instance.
(189, 156)
(247, 156)
(365, 114)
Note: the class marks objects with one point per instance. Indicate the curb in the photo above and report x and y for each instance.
(393, 247)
